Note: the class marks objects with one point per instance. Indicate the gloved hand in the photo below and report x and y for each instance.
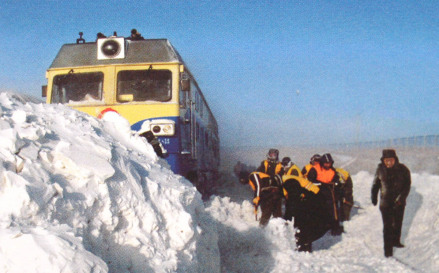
(256, 200)
(374, 200)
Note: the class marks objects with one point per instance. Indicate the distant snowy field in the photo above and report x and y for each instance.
(79, 194)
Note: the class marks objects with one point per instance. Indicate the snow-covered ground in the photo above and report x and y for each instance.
(79, 194)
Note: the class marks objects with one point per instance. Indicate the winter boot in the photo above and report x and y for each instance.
(306, 247)
(388, 252)
(398, 244)
(337, 230)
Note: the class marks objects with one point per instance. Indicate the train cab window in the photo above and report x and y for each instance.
(77, 87)
(145, 85)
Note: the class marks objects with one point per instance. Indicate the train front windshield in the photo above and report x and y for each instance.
(145, 85)
(77, 87)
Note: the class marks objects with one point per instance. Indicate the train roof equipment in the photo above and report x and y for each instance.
(115, 50)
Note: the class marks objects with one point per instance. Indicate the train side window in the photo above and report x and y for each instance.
(145, 85)
(77, 87)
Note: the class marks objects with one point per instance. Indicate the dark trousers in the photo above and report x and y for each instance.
(392, 225)
(312, 221)
(271, 204)
(290, 208)
(329, 198)
(345, 212)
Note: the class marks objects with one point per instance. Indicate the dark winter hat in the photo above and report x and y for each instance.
(315, 157)
(326, 158)
(285, 161)
(273, 154)
(389, 153)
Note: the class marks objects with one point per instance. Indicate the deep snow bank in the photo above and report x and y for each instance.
(82, 195)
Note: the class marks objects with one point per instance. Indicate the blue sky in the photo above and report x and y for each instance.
(275, 73)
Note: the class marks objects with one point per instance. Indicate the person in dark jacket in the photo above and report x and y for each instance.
(267, 194)
(312, 162)
(346, 200)
(290, 169)
(326, 177)
(271, 165)
(393, 180)
(311, 219)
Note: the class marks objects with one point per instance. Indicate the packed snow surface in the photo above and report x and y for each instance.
(78, 194)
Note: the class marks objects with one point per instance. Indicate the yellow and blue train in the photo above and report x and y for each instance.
(147, 82)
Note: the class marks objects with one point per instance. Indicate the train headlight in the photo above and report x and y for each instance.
(111, 48)
(156, 129)
(168, 128)
(160, 127)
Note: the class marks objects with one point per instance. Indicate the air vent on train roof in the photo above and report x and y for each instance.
(111, 48)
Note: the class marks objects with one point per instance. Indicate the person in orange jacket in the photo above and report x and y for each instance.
(326, 177)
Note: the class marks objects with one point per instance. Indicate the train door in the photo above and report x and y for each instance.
(188, 130)
(186, 119)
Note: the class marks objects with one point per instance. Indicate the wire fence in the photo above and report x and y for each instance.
(415, 141)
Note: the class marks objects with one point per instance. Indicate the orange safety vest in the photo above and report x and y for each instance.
(323, 175)
(308, 167)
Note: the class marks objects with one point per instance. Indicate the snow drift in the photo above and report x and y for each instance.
(82, 195)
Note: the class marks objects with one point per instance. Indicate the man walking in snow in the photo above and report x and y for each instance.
(393, 180)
